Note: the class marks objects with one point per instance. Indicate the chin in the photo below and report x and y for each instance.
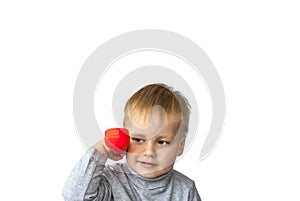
(150, 175)
(157, 173)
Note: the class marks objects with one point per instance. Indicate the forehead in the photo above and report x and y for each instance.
(151, 124)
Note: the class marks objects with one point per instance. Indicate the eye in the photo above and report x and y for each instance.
(163, 142)
(138, 140)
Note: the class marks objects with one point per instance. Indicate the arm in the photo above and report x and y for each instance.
(86, 181)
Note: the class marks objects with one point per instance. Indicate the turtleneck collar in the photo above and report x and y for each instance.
(148, 183)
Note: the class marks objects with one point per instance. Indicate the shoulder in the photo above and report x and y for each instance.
(185, 186)
(115, 170)
(183, 180)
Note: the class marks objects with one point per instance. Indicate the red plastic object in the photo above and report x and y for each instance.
(117, 139)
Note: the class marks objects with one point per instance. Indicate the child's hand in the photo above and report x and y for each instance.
(102, 148)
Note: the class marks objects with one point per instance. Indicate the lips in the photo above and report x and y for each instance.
(147, 164)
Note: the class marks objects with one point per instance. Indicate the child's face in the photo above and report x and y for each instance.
(153, 148)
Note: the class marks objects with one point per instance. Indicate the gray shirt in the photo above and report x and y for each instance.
(92, 180)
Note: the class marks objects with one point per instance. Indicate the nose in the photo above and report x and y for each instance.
(149, 149)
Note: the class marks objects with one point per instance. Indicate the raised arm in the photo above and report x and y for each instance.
(86, 181)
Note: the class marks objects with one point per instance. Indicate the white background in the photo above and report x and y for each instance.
(254, 45)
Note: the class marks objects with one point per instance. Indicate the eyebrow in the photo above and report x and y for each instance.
(139, 135)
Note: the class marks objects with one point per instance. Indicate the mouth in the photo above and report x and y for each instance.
(147, 164)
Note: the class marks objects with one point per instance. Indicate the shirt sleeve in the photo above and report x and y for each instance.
(86, 181)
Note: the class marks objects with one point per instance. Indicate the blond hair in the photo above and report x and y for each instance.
(173, 103)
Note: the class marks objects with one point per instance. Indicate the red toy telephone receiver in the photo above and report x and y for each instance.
(117, 139)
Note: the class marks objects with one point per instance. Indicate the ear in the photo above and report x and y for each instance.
(181, 145)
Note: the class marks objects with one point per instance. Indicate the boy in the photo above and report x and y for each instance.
(157, 119)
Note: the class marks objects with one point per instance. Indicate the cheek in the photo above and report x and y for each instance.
(171, 151)
(132, 148)
(166, 158)
(168, 152)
